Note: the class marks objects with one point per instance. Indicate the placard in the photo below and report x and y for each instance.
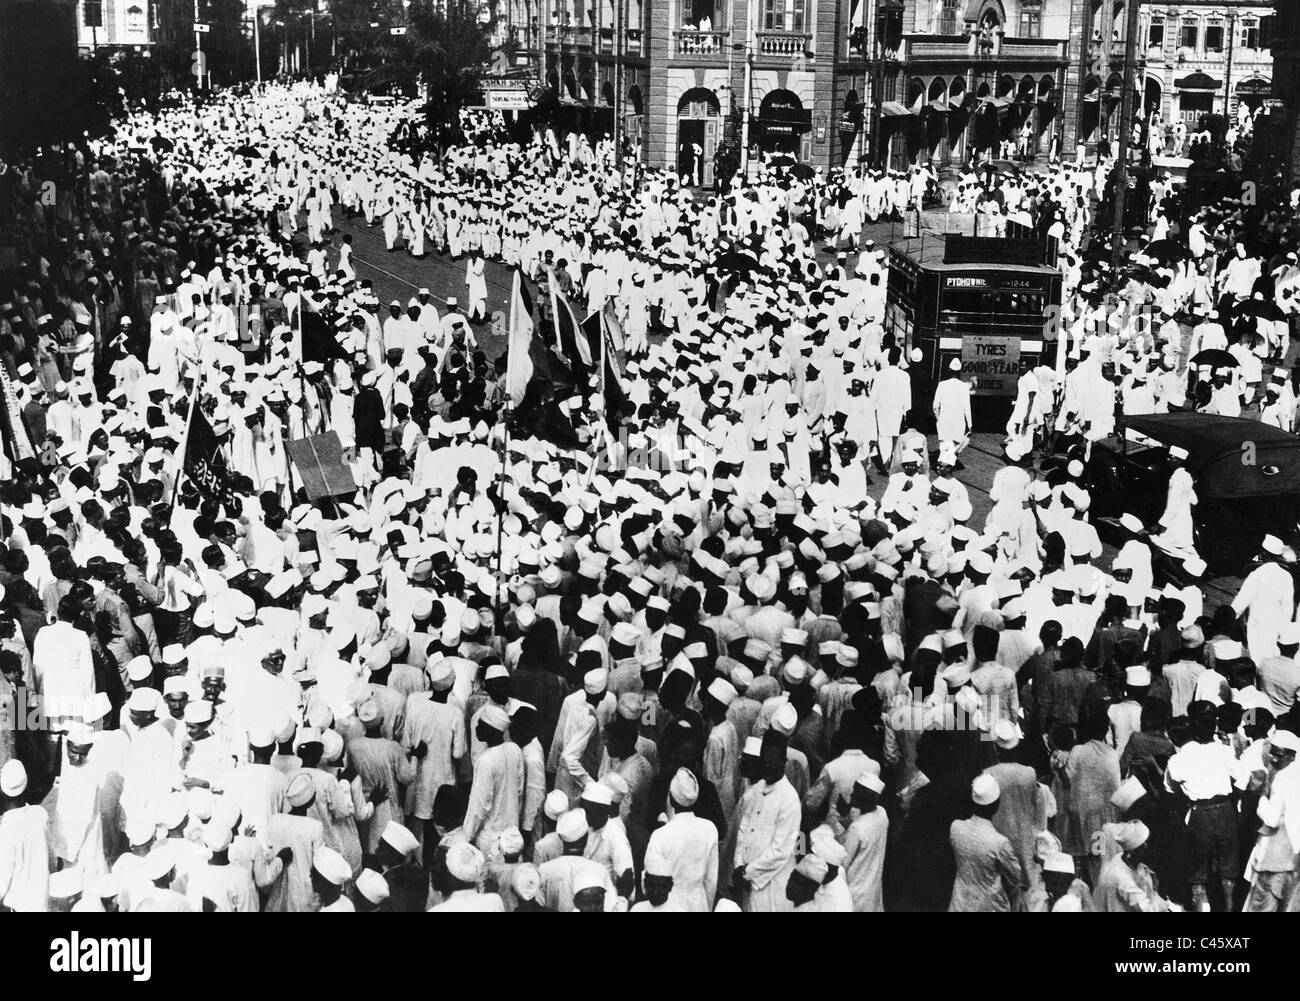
(992, 363)
(319, 463)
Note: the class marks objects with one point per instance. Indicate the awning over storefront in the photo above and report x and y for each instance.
(782, 114)
(894, 109)
(1198, 81)
(1256, 86)
(790, 122)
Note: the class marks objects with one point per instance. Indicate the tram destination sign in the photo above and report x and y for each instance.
(992, 250)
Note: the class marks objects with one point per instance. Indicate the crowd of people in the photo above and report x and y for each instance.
(777, 664)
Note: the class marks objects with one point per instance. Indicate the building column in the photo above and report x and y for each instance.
(658, 43)
(1076, 72)
(829, 44)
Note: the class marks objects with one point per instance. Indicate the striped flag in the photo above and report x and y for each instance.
(530, 364)
(604, 334)
(613, 328)
(568, 332)
(519, 363)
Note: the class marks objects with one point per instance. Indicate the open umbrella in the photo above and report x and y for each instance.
(1146, 275)
(736, 262)
(1167, 251)
(1215, 358)
(1264, 309)
(803, 172)
(782, 161)
(251, 152)
(161, 143)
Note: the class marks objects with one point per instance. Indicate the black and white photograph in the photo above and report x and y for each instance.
(686, 456)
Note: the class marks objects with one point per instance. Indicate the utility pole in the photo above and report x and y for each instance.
(620, 31)
(750, 37)
(864, 142)
(885, 9)
(1227, 83)
(877, 85)
(1125, 133)
(541, 55)
(198, 42)
(1085, 64)
(257, 41)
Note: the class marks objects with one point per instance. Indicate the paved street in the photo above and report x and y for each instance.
(398, 276)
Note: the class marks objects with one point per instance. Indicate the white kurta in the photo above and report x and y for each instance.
(864, 867)
(952, 409)
(767, 835)
(1267, 595)
(688, 845)
(24, 860)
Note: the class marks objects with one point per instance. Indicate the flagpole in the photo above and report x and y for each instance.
(604, 335)
(512, 322)
(498, 577)
(555, 315)
(185, 438)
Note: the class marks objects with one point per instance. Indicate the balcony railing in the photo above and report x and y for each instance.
(697, 44)
(970, 47)
(575, 36)
(784, 44)
(1032, 48)
(938, 47)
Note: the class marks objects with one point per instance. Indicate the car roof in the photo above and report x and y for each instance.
(1228, 456)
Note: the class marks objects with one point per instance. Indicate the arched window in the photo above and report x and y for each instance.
(699, 102)
(134, 19)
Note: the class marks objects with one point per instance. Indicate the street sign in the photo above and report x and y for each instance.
(397, 31)
(508, 100)
(202, 29)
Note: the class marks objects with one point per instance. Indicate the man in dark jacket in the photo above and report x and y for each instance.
(368, 417)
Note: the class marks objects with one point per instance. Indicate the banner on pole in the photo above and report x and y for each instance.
(205, 465)
(319, 463)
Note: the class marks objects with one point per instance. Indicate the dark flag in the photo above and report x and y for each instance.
(536, 378)
(530, 364)
(13, 429)
(604, 335)
(204, 464)
(574, 347)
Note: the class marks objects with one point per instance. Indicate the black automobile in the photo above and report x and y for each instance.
(1246, 474)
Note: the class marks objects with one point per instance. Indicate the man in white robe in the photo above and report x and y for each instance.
(688, 846)
(952, 409)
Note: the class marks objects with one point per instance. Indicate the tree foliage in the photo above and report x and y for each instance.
(444, 51)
